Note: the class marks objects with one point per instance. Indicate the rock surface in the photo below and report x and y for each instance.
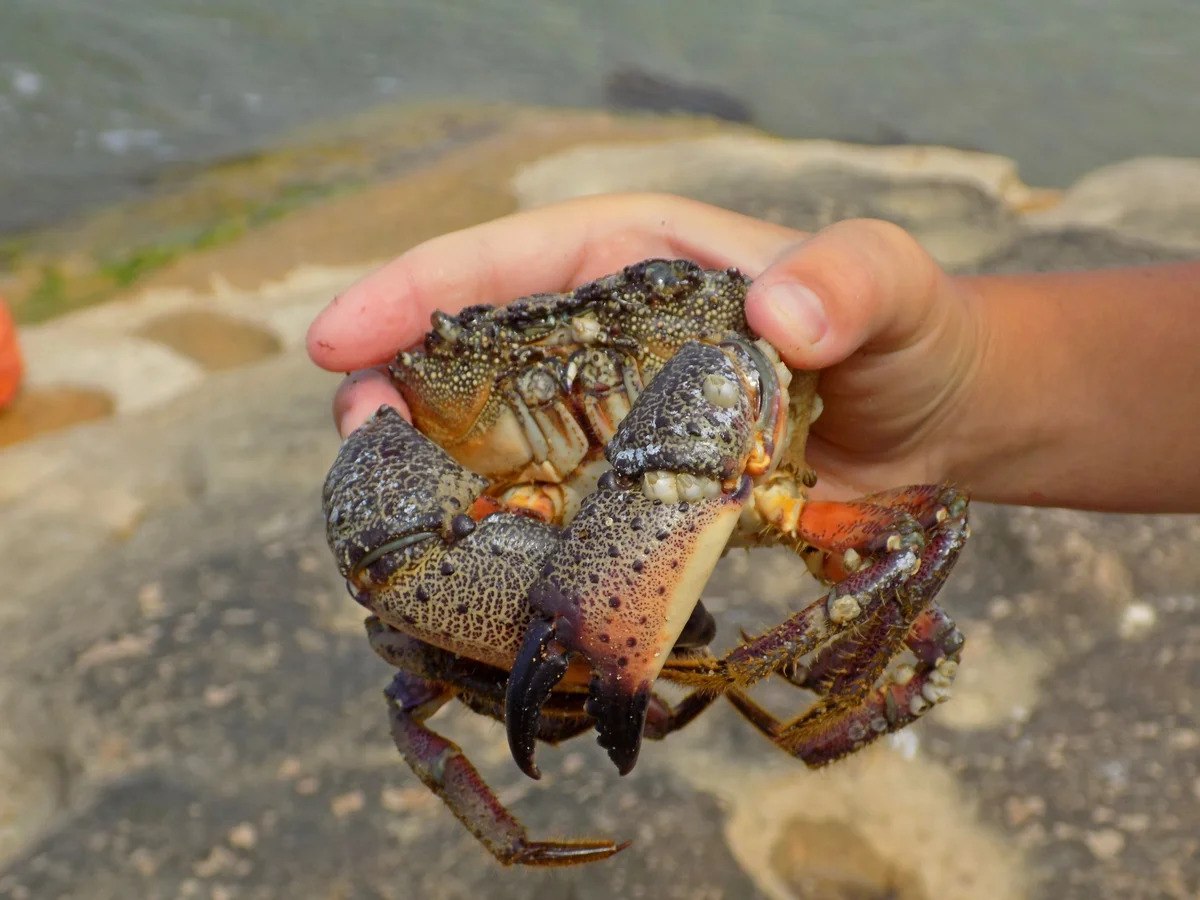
(193, 710)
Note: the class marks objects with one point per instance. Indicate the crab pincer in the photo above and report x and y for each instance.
(631, 566)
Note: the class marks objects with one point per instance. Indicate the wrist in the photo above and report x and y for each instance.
(1000, 430)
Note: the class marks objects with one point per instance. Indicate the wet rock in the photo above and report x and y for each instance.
(638, 89)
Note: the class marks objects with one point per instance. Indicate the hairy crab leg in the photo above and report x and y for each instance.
(632, 564)
(846, 718)
(910, 569)
(443, 768)
(842, 724)
(782, 647)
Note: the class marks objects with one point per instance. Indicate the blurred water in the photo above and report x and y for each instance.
(96, 97)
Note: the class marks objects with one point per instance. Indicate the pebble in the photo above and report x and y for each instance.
(1105, 843)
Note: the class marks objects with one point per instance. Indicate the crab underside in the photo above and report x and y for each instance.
(536, 546)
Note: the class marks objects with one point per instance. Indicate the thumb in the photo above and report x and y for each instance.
(858, 282)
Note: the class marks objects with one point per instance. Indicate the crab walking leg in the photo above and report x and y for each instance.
(853, 661)
(914, 619)
(847, 605)
(663, 719)
(478, 686)
(901, 551)
(846, 719)
(850, 531)
(441, 765)
(840, 725)
(631, 566)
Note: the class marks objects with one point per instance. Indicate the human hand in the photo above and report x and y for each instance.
(897, 339)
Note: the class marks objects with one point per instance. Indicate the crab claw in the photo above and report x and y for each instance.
(625, 583)
(631, 566)
(540, 665)
(620, 719)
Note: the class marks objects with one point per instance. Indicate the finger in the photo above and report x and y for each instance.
(857, 282)
(553, 248)
(360, 395)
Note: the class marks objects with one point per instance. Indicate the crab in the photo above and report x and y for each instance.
(536, 544)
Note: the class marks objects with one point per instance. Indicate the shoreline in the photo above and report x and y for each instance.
(123, 248)
(203, 220)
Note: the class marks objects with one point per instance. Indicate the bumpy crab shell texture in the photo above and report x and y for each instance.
(536, 546)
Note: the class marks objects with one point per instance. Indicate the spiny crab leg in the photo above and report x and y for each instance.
(441, 765)
(854, 711)
(840, 724)
(632, 564)
(908, 570)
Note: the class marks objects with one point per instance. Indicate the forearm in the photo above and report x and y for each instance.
(1087, 392)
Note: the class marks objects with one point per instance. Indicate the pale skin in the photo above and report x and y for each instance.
(1077, 389)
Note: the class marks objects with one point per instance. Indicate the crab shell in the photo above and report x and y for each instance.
(531, 393)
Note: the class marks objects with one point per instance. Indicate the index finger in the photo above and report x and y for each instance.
(554, 248)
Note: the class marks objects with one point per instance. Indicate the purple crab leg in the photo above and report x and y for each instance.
(441, 765)
(845, 720)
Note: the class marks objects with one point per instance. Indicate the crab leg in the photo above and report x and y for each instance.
(441, 765)
(920, 542)
(632, 564)
(663, 719)
(840, 724)
(846, 718)
(780, 649)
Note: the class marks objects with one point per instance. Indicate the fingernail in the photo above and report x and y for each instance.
(799, 310)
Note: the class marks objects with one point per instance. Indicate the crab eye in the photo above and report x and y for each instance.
(660, 276)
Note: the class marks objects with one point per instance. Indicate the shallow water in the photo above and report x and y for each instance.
(97, 98)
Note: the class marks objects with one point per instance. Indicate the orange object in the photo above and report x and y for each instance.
(12, 367)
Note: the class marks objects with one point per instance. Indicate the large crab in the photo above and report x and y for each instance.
(537, 544)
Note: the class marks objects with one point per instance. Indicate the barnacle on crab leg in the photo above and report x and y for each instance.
(905, 549)
(632, 564)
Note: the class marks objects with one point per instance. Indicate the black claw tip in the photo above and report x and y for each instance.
(538, 668)
(620, 718)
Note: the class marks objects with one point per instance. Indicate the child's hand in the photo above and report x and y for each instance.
(861, 299)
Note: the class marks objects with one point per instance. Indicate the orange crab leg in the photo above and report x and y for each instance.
(883, 522)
